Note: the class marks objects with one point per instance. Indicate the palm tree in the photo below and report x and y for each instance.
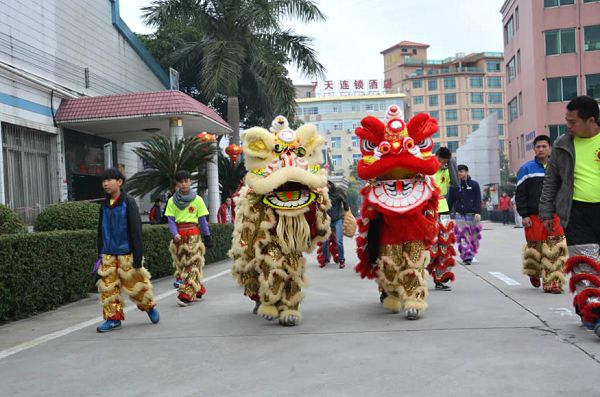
(241, 45)
(230, 175)
(162, 159)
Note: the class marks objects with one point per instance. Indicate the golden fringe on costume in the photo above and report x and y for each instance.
(401, 274)
(555, 254)
(188, 260)
(532, 257)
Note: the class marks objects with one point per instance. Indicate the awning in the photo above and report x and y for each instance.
(134, 117)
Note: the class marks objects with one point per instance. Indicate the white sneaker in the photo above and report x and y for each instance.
(182, 303)
(413, 314)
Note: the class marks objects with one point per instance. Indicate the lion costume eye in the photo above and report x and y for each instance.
(426, 144)
(367, 146)
(278, 148)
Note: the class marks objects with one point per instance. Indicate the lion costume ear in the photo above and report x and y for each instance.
(309, 137)
(258, 143)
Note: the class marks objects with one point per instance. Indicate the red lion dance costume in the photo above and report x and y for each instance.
(281, 212)
(399, 212)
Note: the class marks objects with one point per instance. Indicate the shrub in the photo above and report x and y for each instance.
(40, 271)
(70, 215)
(9, 221)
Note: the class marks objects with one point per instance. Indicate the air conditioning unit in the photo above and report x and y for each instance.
(328, 132)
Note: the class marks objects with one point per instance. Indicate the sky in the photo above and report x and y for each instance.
(349, 42)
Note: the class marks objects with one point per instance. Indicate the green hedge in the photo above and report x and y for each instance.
(70, 215)
(9, 221)
(41, 271)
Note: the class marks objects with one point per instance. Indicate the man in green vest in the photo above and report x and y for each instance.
(442, 248)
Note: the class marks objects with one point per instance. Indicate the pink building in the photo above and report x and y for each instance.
(552, 54)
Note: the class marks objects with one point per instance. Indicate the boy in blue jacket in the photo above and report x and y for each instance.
(465, 201)
(121, 253)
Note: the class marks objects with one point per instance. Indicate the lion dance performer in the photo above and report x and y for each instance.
(281, 212)
(442, 247)
(399, 212)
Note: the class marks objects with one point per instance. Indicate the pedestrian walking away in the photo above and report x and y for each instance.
(465, 201)
(334, 247)
(186, 214)
(226, 213)
(571, 189)
(120, 250)
(545, 252)
(442, 248)
(505, 206)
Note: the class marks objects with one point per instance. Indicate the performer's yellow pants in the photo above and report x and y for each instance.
(117, 273)
(188, 260)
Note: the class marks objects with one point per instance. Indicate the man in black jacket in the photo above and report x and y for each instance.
(541, 260)
(121, 252)
(339, 206)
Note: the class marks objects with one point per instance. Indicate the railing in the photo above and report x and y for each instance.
(454, 70)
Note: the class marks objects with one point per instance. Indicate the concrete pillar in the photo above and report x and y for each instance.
(2, 198)
(214, 199)
(175, 129)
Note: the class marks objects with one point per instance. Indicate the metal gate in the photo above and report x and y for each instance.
(30, 166)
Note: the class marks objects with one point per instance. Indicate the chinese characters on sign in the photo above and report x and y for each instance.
(352, 87)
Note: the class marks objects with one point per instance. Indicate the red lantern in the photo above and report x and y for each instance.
(205, 137)
(233, 151)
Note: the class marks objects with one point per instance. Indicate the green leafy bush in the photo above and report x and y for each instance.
(41, 271)
(70, 215)
(9, 221)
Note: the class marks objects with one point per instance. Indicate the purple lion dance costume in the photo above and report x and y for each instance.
(468, 234)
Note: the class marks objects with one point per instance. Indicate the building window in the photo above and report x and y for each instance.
(518, 61)
(418, 99)
(511, 70)
(452, 131)
(500, 129)
(517, 18)
(556, 131)
(562, 89)
(436, 146)
(433, 100)
(432, 84)
(474, 127)
(499, 113)
(435, 114)
(355, 142)
(494, 82)
(560, 41)
(477, 114)
(476, 82)
(512, 110)
(509, 31)
(495, 98)
(591, 38)
(451, 115)
(556, 3)
(450, 99)
(592, 85)
(311, 110)
(336, 159)
(449, 83)
(417, 83)
(492, 66)
(419, 71)
(591, 1)
(356, 157)
(453, 146)
(336, 142)
(520, 103)
(477, 98)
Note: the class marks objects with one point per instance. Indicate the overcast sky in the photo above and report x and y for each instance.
(349, 42)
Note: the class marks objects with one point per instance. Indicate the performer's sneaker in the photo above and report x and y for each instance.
(202, 291)
(256, 306)
(177, 283)
(382, 296)
(535, 281)
(597, 329)
(323, 264)
(342, 264)
(154, 315)
(183, 302)
(442, 287)
(413, 314)
(554, 288)
(467, 263)
(109, 325)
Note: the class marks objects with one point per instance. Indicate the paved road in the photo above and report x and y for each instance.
(490, 336)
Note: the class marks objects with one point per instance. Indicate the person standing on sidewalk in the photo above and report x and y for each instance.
(545, 253)
(504, 205)
(442, 247)
(186, 214)
(572, 190)
(339, 205)
(120, 249)
(465, 201)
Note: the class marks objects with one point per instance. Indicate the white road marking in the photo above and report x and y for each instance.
(562, 311)
(54, 335)
(505, 278)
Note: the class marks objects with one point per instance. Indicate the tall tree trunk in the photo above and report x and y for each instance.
(233, 118)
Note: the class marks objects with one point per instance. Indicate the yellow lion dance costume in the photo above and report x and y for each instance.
(281, 212)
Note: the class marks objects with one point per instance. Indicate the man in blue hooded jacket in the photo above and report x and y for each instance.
(465, 201)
